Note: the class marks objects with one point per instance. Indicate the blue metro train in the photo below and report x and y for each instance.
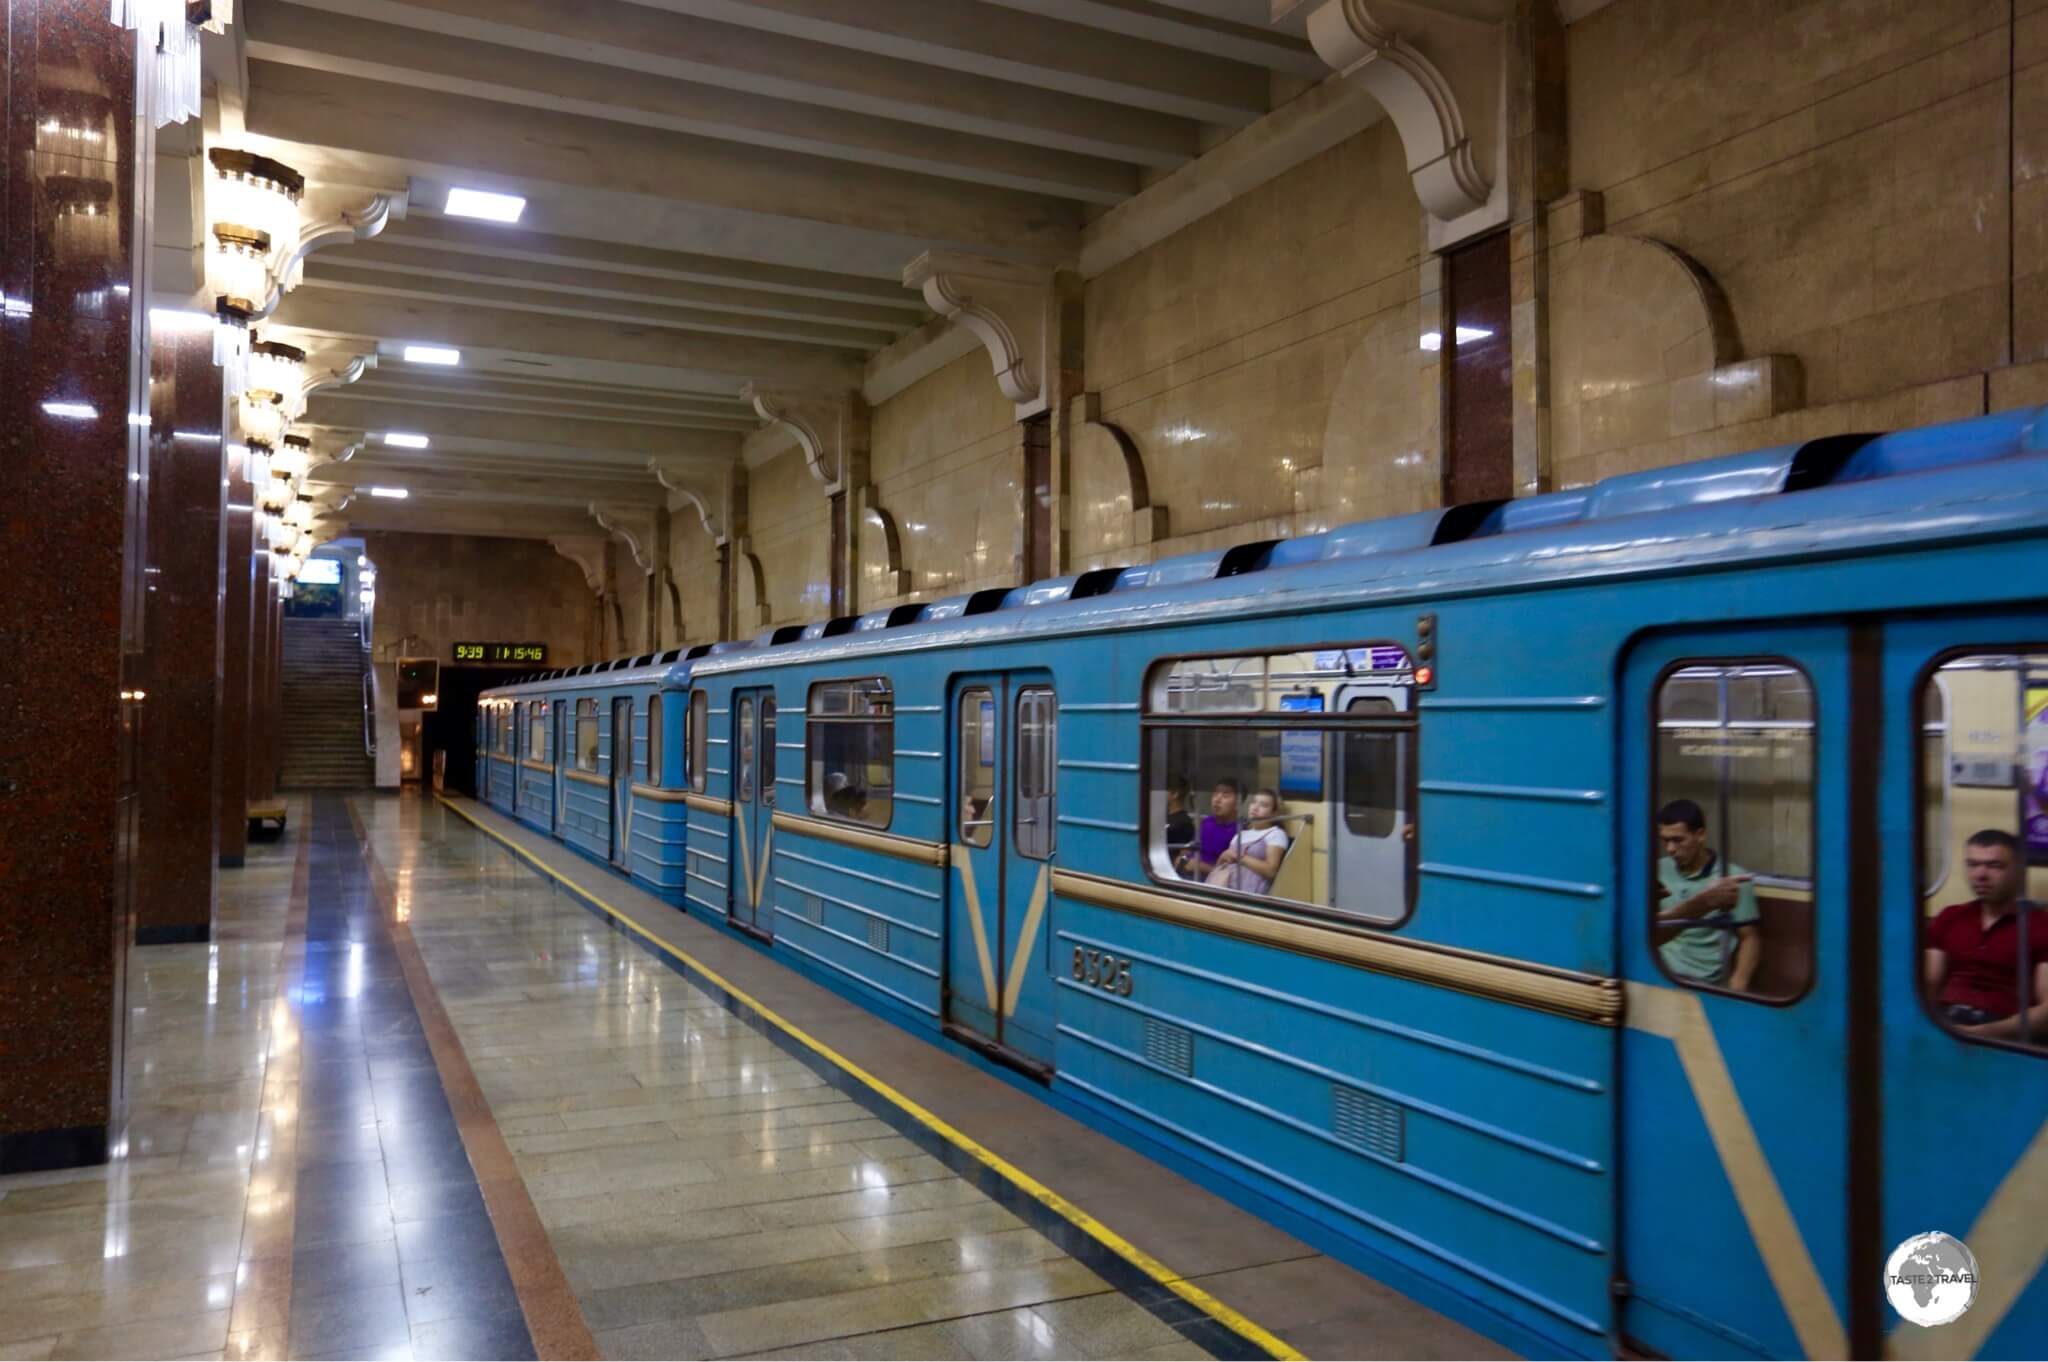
(1328, 869)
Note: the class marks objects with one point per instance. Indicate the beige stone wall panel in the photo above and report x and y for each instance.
(787, 516)
(693, 559)
(1839, 168)
(433, 589)
(2030, 185)
(946, 462)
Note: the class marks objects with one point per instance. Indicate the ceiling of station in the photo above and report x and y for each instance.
(717, 192)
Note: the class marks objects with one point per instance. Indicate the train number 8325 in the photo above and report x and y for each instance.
(1103, 970)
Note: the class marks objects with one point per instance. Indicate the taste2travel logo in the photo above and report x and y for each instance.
(1931, 1279)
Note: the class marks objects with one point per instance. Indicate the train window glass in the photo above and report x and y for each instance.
(517, 715)
(746, 755)
(537, 731)
(850, 751)
(700, 705)
(977, 817)
(1935, 823)
(1037, 771)
(654, 740)
(586, 735)
(1731, 902)
(1984, 937)
(1305, 798)
(768, 750)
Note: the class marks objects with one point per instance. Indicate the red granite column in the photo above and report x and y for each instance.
(179, 825)
(233, 757)
(262, 716)
(67, 350)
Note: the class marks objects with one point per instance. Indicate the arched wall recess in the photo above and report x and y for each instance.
(1646, 352)
(884, 573)
(1110, 509)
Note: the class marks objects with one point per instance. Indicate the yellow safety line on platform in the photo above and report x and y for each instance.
(1038, 1191)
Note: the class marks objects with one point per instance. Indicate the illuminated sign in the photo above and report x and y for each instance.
(509, 653)
(321, 572)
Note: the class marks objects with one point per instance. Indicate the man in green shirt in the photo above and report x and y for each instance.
(1695, 885)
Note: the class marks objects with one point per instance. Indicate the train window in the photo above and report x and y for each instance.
(654, 740)
(977, 815)
(850, 751)
(586, 735)
(1285, 776)
(1984, 942)
(700, 705)
(537, 731)
(1731, 903)
(768, 750)
(487, 721)
(1037, 771)
(513, 715)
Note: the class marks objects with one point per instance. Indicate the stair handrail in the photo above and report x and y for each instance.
(369, 712)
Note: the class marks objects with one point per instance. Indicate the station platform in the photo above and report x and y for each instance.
(441, 1088)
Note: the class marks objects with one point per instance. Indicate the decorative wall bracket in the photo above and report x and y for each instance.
(631, 525)
(587, 552)
(354, 224)
(351, 370)
(1006, 306)
(832, 428)
(705, 504)
(1447, 111)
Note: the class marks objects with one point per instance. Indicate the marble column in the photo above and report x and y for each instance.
(263, 621)
(179, 824)
(69, 474)
(233, 755)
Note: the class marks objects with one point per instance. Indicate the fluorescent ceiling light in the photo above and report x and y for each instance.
(477, 203)
(405, 439)
(398, 492)
(432, 354)
(77, 411)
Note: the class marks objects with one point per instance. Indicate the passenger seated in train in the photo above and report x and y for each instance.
(1724, 945)
(841, 799)
(1253, 857)
(1180, 824)
(1217, 829)
(1974, 948)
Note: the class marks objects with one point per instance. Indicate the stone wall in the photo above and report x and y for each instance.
(946, 464)
(693, 561)
(789, 539)
(1767, 223)
(433, 589)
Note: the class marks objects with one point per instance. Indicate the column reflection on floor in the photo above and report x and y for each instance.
(708, 1193)
(393, 1254)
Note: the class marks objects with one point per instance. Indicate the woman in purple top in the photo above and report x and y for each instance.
(1217, 829)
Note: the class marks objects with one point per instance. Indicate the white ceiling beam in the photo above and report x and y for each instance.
(773, 66)
(364, 127)
(339, 274)
(702, 362)
(342, 408)
(1198, 32)
(540, 278)
(1005, 45)
(316, 40)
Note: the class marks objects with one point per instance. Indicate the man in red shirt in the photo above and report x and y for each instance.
(1974, 949)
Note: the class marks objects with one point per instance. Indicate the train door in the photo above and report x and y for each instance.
(622, 783)
(563, 757)
(1002, 796)
(753, 808)
(1741, 928)
(1964, 1123)
(1368, 844)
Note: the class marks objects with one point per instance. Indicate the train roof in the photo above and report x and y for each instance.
(1835, 495)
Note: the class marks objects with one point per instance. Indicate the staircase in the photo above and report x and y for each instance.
(323, 707)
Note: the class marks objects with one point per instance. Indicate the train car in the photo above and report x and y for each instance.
(1350, 873)
(592, 756)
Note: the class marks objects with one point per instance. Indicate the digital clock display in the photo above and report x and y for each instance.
(513, 653)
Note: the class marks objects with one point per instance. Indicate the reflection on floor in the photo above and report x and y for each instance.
(707, 1193)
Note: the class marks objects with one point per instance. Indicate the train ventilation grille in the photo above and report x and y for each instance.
(1371, 1123)
(878, 934)
(1170, 1047)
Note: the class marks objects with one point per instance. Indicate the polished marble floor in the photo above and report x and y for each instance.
(707, 1192)
(416, 1100)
